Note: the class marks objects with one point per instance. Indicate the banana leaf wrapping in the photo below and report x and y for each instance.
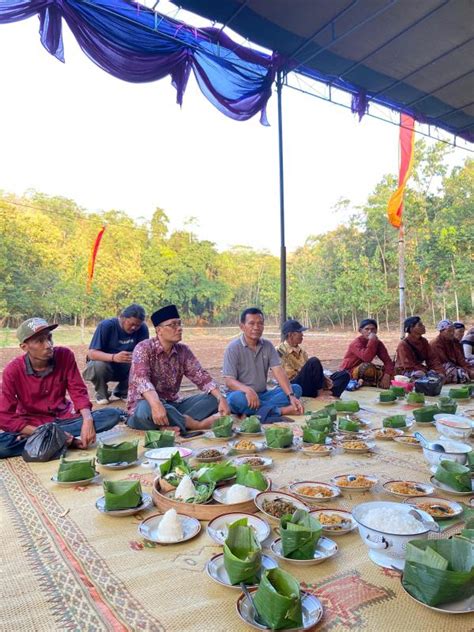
(122, 494)
(278, 600)
(439, 571)
(454, 475)
(387, 396)
(394, 421)
(415, 398)
(174, 469)
(251, 478)
(398, 390)
(242, 553)
(349, 425)
(425, 414)
(463, 392)
(278, 437)
(159, 438)
(204, 492)
(447, 405)
(251, 424)
(347, 406)
(311, 435)
(323, 424)
(70, 471)
(330, 410)
(223, 426)
(216, 472)
(470, 460)
(127, 452)
(299, 535)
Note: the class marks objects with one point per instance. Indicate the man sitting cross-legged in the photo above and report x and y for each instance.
(246, 363)
(305, 371)
(34, 393)
(158, 367)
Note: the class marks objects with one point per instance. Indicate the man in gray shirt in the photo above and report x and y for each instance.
(246, 364)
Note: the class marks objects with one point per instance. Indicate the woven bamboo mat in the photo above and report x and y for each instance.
(67, 567)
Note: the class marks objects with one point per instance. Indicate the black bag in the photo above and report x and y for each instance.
(47, 443)
(429, 385)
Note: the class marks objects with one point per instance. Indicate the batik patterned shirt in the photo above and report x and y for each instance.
(293, 359)
(154, 370)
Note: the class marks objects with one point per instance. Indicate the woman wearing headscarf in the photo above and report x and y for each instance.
(414, 355)
(467, 343)
(448, 351)
(360, 354)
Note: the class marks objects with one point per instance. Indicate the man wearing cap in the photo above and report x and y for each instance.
(34, 390)
(414, 355)
(247, 361)
(448, 352)
(305, 371)
(360, 354)
(158, 367)
(110, 352)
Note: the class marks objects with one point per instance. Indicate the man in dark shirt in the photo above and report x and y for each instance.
(110, 352)
(33, 393)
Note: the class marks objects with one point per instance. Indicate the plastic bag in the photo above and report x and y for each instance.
(47, 443)
(429, 385)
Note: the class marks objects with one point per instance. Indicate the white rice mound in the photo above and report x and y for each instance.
(392, 521)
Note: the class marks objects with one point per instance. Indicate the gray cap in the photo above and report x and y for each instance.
(31, 327)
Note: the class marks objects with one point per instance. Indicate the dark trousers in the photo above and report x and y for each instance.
(198, 407)
(105, 419)
(311, 379)
(100, 373)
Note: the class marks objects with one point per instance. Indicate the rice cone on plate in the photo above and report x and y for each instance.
(170, 529)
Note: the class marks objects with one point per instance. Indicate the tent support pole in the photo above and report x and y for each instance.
(282, 205)
(401, 278)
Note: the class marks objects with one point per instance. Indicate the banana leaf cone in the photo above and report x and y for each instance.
(310, 435)
(278, 437)
(347, 406)
(251, 424)
(349, 425)
(242, 553)
(278, 600)
(394, 421)
(70, 471)
(454, 475)
(460, 393)
(439, 571)
(299, 535)
(251, 478)
(447, 405)
(175, 463)
(127, 452)
(214, 473)
(159, 438)
(223, 426)
(323, 424)
(122, 494)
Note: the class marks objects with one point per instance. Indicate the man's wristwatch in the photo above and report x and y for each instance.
(291, 394)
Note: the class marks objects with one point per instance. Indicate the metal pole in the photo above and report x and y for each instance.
(282, 206)
(401, 278)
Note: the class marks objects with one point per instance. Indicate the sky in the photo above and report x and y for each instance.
(73, 130)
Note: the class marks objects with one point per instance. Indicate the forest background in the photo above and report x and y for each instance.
(334, 279)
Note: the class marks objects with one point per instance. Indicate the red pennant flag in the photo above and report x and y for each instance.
(407, 142)
(91, 265)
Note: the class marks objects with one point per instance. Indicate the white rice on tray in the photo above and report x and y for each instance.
(392, 521)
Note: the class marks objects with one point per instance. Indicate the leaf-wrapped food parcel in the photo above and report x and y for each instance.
(251, 424)
(215, 472)
(122, 494)
(223, 426)
(395, 421)
(310, 435)
(349, 425)
(278, 437)
(126, 452)
(454, 475)
(299, 535)
(81, 470)
(159, 438)
(278, 600)
(251, 478)
(176, 464)
(242, 553)
(347, 406)
(323, 424)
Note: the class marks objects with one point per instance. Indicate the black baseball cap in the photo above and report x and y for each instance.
(292, 326)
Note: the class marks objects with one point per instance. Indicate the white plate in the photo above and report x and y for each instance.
(362, 488)
(427, 489)
(350, 523)
(465, 606)
(163, 454)
(408, 444)
(290, 448)
(210, 436)
(83, 483)
(121, 465)
(370, 445)
(327, 452)
(148, 529)
(311, 610)
(259, 446)
(251, 434)
(146, 502)
(385, 437)
(216, 570)
(450, 490)
(379, 403)
(456, 507)
(241, 460)
(325, 549)
(263, 496)
(217, 529)
(220, 495)
(315, 499)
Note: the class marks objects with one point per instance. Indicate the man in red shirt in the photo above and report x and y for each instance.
(34, 390)
(361, 353)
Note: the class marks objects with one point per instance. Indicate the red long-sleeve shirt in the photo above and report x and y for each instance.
(364, 350)
(28, 399)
